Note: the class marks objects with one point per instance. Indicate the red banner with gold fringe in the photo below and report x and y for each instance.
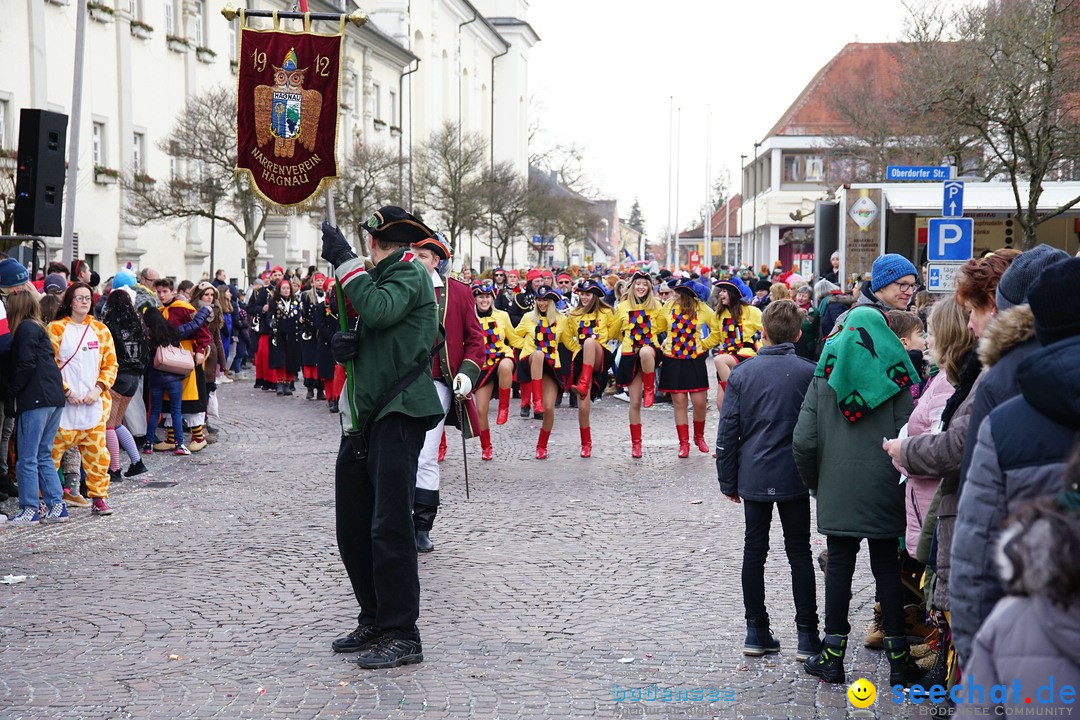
(286, 112)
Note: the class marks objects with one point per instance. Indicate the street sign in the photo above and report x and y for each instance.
(928, 173)
(950, 239)
(941, 276)
(952, 204)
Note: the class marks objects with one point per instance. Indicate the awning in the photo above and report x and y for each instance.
(926, 198)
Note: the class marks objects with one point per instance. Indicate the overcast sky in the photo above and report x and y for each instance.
(604, 70)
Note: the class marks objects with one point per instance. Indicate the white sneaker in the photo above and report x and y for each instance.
(622, 396)
(224, 380)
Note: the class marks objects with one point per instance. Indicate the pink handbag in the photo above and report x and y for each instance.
(175, 360)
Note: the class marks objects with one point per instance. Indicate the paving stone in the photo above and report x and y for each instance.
(215, 589)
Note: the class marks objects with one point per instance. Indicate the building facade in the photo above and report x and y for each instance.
(412, 67)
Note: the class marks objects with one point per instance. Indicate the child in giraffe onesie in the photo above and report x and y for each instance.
(87, 359)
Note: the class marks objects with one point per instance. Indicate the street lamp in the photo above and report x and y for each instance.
(213, 192)
(756, 190)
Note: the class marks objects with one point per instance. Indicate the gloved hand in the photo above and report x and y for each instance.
(345, 346)
(335, 248)
(462, 385)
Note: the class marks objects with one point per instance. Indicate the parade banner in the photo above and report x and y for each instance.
(286, 113)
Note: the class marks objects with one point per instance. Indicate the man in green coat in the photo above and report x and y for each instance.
(375, 474)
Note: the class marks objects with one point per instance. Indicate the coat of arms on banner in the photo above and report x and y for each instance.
(287, 112)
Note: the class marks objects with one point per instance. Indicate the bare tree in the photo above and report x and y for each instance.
(203, 141)
(507, 206)
(366, 181)
(1003, 78)
(451, 179)
(557, 213)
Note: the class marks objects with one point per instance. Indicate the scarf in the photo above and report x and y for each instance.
(864, 362)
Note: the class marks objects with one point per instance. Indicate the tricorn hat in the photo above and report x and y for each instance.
(392, 224)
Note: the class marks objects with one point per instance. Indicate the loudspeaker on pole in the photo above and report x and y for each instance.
(39, 179)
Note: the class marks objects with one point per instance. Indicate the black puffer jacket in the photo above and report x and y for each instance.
(1021, 452)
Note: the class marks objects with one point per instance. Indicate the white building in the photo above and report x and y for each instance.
(143, 58)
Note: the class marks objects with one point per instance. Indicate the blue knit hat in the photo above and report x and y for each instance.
(123, 278)
(890, 268)
(12, 273)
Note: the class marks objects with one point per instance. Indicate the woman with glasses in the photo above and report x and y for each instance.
(636, 323)
(500, 339)
(590, 320)
(87, 359)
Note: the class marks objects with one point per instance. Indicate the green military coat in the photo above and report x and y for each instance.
(398, 327)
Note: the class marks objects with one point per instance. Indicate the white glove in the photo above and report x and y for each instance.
(462, 385)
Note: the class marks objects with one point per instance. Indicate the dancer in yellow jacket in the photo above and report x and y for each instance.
(590, 321)
(500, 339)
(635, 324)
(686, 376)
(740, 324)
(542, 331)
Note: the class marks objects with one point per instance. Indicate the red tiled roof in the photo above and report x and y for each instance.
(859, 67)
(718, 222)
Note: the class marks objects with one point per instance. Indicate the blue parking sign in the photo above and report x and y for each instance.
(950, 238)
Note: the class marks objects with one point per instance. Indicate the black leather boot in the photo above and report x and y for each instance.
(425, 507)
(280, 389)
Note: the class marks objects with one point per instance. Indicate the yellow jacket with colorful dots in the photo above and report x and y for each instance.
(636, 327)
(685, 339)
(594, 325)
(542, 336)
(740, 338)
(500, 337)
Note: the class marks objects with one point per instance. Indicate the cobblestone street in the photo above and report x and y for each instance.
(216, 588)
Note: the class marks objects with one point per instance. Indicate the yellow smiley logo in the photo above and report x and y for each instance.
(862, 693)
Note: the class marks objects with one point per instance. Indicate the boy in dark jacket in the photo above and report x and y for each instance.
(756, 468)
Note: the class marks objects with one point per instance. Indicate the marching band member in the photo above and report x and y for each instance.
(685, 377)
(542, 331)
(740, 324)
(500, 339)
(591, 321)
(635, 323)
(283, 354)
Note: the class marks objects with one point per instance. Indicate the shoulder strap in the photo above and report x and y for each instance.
(404, 382)
(77, 347)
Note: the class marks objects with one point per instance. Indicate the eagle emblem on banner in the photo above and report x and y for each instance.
(285, 112)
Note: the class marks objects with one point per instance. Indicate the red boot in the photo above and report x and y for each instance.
(504, 406)
(699, 436)
(485, 444)
(648, 388)
(584, 381)
(541, 444)
(684, 440)
(442, 447)
(635, 441)
(538, 396)
(586, 442)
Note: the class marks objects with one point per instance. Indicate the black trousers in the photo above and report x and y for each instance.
(885, 564)
(374, 524)
(795, 521)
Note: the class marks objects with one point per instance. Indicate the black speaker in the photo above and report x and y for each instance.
(826, 234)
(39, 180)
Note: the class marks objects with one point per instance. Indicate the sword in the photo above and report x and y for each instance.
(462, 418)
